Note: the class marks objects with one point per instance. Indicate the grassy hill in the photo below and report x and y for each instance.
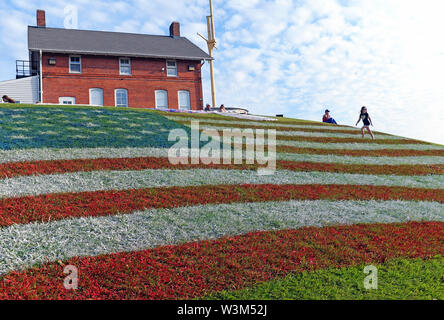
(95, 188)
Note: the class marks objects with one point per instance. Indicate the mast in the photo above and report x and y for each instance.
(211, 42)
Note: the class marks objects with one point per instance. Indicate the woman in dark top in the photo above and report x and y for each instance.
(364, 116)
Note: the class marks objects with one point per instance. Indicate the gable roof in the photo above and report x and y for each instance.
(113, 43)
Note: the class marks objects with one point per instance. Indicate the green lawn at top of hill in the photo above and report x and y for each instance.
(44, 126)
(280, 121)
(406, 279)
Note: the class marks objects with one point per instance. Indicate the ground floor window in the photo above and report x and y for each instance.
(96, 97)
(161, 99)
(67, 100)
(121, 97)
(184, 100)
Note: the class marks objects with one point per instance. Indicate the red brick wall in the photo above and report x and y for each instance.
(41, 18)
(103, 72)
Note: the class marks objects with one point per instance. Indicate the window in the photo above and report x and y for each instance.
(171, 68)
(75, 64)
(67, 100)
(121, 98)
(184, 100)
(125, 66)
(96, 97)
(161, 99)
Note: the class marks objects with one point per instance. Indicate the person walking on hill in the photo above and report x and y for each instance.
(326, 118)
(366, 120)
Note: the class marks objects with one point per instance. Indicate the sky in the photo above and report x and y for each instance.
(291, 57)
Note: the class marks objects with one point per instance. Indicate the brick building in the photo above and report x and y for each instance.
(116, 69)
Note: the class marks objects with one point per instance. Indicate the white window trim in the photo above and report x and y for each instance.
(166, 63)
(155, 98)
(67, 98)
(178, 99)
(90, 90)
(120, 67)
(115, 97)
(80, 59)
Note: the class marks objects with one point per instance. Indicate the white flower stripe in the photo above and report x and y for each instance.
(360, 160)
(23, 246)
(124, 180)
(96, 153)
(358, 146)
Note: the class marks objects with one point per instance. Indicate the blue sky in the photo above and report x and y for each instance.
(287, 56)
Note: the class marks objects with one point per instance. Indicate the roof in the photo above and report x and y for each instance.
(112, 43)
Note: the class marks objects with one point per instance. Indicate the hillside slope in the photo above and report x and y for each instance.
(94, 188)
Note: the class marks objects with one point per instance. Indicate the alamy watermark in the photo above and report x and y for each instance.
(71, 17)
(71, 282)
(371, 281)
(233, 146)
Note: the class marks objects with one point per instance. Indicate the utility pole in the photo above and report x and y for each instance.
(211, 42)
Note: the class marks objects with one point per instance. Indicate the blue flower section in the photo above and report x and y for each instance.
(48, 127)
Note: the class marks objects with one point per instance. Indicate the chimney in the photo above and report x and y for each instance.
(41, 20)
(175, 29)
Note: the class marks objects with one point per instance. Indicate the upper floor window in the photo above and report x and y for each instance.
(125, 66)
(75, 64)
(171, 68)
(121, 98)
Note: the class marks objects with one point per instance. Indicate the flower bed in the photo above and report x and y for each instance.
(101, 203)
(199, 268)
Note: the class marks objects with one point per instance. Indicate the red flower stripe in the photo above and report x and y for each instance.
(231, 263)
(13, 169)
(101, 203)
(280, 128)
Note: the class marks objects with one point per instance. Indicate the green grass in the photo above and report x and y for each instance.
(50, 126)
(397, 279)
(58, 106)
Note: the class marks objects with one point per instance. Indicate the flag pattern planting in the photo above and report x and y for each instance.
(93, 188)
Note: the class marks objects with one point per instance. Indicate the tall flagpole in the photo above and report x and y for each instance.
(211, 42)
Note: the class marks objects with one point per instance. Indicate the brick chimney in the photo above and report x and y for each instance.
(41, 20)
(175, 29)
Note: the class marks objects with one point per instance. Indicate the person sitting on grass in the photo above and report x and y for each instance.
(326, 118)
(7, 99)
(207, 107)
(364, 116)
(222, 108)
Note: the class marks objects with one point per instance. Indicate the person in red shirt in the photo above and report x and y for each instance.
(326, 118)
